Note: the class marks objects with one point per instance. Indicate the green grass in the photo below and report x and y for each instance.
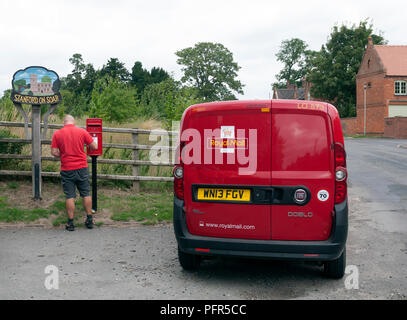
(13, 185)
(59, 207)
(9, 213)
(358, 136)
(146, 208)
(153, 205)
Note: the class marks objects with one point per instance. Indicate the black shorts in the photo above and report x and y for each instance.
(75, 178)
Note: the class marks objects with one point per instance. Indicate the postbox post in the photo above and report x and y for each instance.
(95, 128)
(94, 184)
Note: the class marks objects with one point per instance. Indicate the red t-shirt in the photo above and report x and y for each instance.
(70, 141)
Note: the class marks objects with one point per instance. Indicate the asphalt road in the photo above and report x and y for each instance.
(141, 262)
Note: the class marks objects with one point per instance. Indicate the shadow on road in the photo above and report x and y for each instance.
(262, 279)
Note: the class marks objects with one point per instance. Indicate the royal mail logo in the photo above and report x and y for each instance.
(230, 143)
(227, 132)
(228, 140)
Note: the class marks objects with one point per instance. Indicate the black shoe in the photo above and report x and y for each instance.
(89, 222)
(70, 226)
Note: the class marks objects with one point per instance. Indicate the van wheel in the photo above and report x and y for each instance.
(336, 269)
(188, 261)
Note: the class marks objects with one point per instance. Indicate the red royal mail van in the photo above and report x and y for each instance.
(262, 179)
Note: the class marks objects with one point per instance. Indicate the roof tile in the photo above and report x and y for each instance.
(394, 59)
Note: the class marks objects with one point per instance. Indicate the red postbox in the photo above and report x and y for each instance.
(94, 127)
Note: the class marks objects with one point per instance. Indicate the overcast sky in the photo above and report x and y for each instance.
(47, 33)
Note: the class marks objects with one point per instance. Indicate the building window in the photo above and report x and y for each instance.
(400, 88)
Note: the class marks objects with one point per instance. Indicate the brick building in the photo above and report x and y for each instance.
(381, 84)
(291, 91)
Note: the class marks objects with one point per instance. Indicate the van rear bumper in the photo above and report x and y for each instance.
(327, 250)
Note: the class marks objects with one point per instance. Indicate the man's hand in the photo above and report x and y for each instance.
(55, 152)
(93, 146)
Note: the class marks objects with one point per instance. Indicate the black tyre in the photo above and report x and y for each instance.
(336, 269)
(188, 261)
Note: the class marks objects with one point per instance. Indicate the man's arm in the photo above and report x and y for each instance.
(90, 143)
(54, 146)
(55, 152)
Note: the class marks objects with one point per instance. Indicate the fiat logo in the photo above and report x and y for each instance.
(300, 196)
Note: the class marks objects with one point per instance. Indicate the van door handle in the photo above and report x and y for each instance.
(263, 195)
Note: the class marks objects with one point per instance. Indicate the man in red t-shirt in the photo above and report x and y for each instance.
(68, 145)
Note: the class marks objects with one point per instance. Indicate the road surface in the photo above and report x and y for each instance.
(141, 262)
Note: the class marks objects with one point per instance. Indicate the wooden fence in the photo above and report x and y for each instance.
(135, 161)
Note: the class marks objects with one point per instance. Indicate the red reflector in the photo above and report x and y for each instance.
(340, 191)
(179, 188)
(202, 250)
(311, 255)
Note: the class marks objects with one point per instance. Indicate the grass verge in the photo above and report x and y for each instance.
(357, 136)
(9, 213)
(152, 206)
(147, 208)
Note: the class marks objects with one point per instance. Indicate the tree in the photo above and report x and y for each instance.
(113, 100)
(73, 104)
(141, 77)
(167, 100)
(7, 110)
(20, 83)
(333, 69)
(158, 75)
(293, 55)
(46, 79)
(82, 78)
(115, 69)
(210, 68)
(79, 66)
(77, 86)
(56, 85)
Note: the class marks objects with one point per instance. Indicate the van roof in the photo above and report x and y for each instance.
(237, 104)
(316, 106)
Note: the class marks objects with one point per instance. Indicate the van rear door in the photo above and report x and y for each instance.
(302, 158)
(219, 199)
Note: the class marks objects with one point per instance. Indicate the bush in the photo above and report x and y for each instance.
(9, 148)
(114, 101)
(7, 110)
(166, 101)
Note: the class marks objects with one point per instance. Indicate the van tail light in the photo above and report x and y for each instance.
(341, 174)
(179, 188)
(178, 174)
(340, 155)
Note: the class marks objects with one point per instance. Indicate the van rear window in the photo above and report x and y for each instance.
(300, 142)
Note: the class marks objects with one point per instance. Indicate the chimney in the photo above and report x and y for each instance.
(275, 92)
(370, 42)
(304, 82)
(290, 86)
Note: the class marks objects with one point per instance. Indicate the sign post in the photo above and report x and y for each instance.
(35, 86)
(36, 151)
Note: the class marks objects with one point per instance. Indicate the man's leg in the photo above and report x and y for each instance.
(84, 190)
(87, 204)
(70, 207)
(68, 185)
